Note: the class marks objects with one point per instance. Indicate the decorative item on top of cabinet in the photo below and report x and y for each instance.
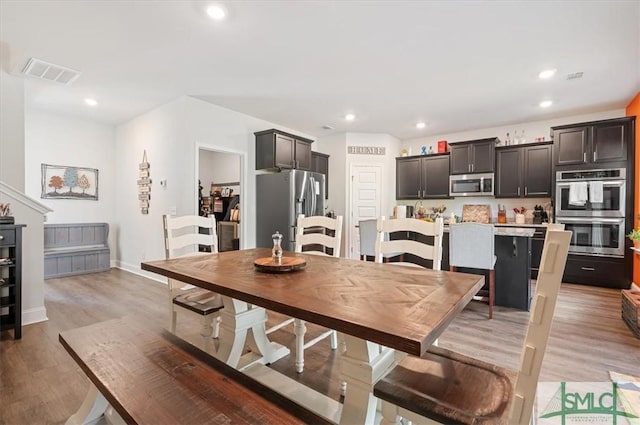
(11, 278)
(276, 149)
(524, 171)
(473, 156)
(320, 164)
(593, 143)
(422, 177)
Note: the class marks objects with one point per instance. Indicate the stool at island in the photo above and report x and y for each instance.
(75, 248)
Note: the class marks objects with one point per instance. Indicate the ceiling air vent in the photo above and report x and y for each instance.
(50, 72)
(574, 76)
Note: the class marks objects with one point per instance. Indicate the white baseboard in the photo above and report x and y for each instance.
(34, 315)
(137, 270)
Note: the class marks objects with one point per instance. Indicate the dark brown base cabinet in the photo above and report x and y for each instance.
(276, 149)
(598, 271)
(524, 171)
(422, 177)
(11, 279)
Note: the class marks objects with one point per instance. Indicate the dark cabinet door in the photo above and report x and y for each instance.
(524, 171)
(609, 142)
(460, 158)
(509, 173)
(435, 177)
(284, 151)
(482, 156)
(302, 155)
(571, 145)
(537, 174)
(408, 178)
(320, 164)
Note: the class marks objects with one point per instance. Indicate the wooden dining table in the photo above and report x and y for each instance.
(378, 308)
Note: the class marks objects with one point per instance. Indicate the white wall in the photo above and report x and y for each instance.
(335, 146)
(62, 140)
(171, 135)
(12, 145)
(532, 130)
(218, 167)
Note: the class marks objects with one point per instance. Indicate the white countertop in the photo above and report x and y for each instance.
(514, 231)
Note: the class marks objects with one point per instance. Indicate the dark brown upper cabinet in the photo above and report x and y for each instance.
(320, 164)
(473, 156)
(524, 171)
(422, 177)
(276, 149)
(593, 143)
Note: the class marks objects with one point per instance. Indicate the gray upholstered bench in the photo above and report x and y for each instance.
(75, 248)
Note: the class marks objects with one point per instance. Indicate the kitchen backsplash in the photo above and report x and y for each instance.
(455, 205)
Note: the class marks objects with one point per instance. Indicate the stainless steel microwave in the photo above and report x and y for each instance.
(471, 185)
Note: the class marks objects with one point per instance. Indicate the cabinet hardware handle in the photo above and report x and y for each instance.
(588, 269)
(423, 192)
(1, 237)
(584, 157)
(471, 167)
(526, 191)
(518, 190)
(595, 156)
(418, 193)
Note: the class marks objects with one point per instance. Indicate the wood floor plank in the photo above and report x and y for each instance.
(41, 384)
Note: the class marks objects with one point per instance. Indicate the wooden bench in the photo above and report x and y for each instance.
(153, 377)
(75, 248)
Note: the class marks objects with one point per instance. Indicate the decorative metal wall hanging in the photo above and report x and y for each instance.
(65, 182)
(144, 184)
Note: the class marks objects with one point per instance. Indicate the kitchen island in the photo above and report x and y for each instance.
(513, 264)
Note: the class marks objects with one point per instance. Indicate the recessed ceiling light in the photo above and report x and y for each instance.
(216, 12)
(91, 102)
(420, 125)
(350, 117)
(547, 73)
(546, 103)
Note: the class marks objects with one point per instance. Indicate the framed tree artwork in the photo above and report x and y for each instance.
(66, 182)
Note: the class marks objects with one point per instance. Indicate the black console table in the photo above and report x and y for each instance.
(11, 278)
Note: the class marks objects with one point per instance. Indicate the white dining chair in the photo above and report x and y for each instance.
(315, 235)
(182, 238)
(419, 247)
(446, 387)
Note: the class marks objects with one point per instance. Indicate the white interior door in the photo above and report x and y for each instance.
(366, 200)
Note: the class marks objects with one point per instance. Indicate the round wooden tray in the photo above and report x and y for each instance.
(288, 264)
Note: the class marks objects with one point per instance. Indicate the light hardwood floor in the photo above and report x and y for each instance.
(41, 384)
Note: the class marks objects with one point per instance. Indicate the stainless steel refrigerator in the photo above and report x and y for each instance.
(280, 198)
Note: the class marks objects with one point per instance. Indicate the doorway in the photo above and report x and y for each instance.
(366, 201)
(219, 193)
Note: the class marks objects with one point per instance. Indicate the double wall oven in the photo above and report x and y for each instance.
(591, 204)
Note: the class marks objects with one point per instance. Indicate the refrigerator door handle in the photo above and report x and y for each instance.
(312, 188)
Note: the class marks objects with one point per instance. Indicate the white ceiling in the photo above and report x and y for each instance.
(304, 64)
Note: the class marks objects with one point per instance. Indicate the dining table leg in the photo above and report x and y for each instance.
(362, 364)
(243, 325)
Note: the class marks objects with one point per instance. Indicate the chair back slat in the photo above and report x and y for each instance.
(554, 258)
(182, 234)
(423, 250)
(304, 238)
